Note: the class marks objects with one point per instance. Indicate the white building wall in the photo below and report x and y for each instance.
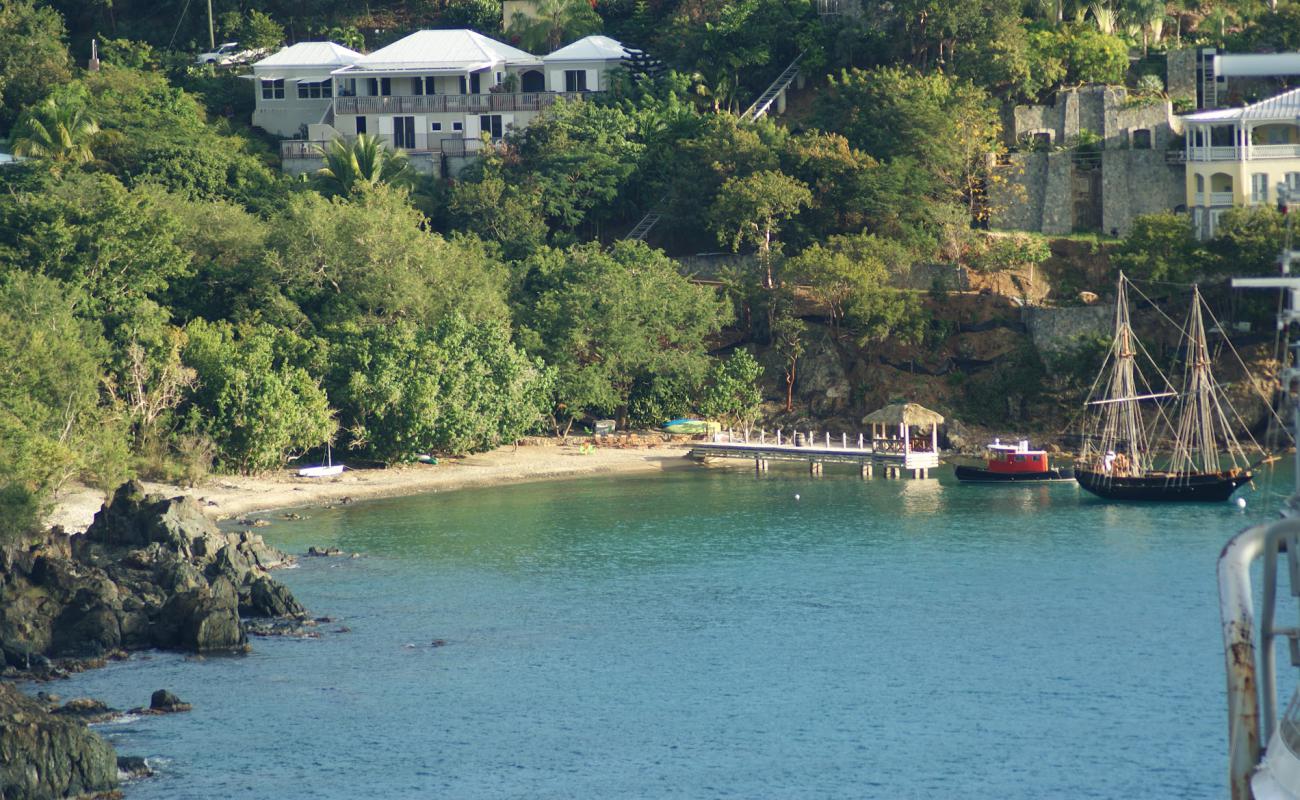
(286, 117)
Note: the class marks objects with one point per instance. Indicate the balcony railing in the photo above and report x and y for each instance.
(1221, 198)
(451, 103)
(1255, 151)
(300, 148)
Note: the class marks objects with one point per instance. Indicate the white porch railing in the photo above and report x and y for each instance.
(451, 103)
(1260, 151)
(1274, 151)
(1221, 198)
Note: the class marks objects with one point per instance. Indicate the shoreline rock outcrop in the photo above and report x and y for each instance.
(150, 572)
(45, 755)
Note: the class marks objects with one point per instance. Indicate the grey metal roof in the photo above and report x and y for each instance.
(448, 50)
(311, 54)
(1282, 107)
(590, 48)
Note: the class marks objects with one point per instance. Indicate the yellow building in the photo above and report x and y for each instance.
(1238, 156)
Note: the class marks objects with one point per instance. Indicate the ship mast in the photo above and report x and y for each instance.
(1196, 446)
(1122, 428)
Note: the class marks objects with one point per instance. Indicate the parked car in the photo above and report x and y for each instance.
(230, 53)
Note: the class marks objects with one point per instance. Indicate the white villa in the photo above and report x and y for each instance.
(294, 88)
(432, 94)
(1238, 156)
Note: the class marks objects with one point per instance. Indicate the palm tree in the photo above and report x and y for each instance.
(59, 131)
(364, 161)
(553, 22)
(1149, 16)
(1105, 17)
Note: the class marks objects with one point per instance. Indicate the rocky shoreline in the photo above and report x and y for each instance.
(151, 572)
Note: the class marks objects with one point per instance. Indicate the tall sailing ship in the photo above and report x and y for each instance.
(1148, 441)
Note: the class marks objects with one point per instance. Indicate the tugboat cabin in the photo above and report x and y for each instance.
(1015, 458)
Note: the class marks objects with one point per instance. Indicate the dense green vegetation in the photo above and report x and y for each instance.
(172, 303)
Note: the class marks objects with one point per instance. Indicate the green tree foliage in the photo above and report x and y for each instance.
(114, 245)
(553, 23)
(731, 51)
(258, 30)
(156, 133)
(1019, 63)
(33, 57)
(576, 156)
(404, 389)
(1246, 241)
(604, 320)
(483, 16)
(1092, 56)
(53, 425)
(1160, 247)
(1000, 252)
(499, 209)
(945, 125)
(361, 163)
(58, 129)
(252, 397)
(732, 395)
(371, 257)
(750, 210)
(850, 276)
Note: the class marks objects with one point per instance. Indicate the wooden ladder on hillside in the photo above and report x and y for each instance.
(765, 100)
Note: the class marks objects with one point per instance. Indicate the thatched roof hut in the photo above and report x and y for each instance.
(910, 414)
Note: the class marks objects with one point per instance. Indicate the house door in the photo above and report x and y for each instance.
(404, 133)
(491, 123)
(1086, 191)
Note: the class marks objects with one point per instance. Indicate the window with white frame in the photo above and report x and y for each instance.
(1259, 187)
(1293, 181)
(575, 80)
(435, 126)
(314, 89)
(273, 88)
(458, 126)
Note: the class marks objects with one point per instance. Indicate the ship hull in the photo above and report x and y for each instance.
(981, 475)
(1204, 488)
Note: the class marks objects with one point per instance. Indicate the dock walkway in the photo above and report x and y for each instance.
(892, 455)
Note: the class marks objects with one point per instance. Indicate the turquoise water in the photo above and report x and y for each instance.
(705, 634)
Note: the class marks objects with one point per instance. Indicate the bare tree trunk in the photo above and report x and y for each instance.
(789, 386)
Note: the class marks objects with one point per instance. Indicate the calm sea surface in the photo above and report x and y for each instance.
(704, 634)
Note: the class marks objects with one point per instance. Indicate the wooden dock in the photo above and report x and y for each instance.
(893, 456)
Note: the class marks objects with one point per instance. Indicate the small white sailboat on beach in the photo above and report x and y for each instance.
(326, 470)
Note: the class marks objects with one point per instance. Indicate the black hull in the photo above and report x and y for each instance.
(1208, 488)
(981, 475)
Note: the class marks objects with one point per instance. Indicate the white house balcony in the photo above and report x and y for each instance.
(451, 103)
(1221, 198)
(1249, 153)
(302, 148)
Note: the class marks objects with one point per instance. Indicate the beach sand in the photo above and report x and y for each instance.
(227, 496)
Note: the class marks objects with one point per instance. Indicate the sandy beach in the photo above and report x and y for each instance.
(227, 496)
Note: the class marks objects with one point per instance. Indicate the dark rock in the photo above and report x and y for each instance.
(150, 572)
(133, 767)
(86, 709)
(43, 755)
(322, 552)
(164, 702)
(268, 598)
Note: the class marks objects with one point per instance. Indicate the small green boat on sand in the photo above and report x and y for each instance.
(691, 426)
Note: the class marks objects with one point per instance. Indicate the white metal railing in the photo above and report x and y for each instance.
(451, 103)
(1221, 198)
(1274, 151)
(299, 148)
(1262, 151)
(1212, 154)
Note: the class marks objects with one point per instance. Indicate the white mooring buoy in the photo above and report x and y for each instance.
(1241, 502)
(796, 497)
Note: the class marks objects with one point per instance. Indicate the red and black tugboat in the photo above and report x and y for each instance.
(1014, 463)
